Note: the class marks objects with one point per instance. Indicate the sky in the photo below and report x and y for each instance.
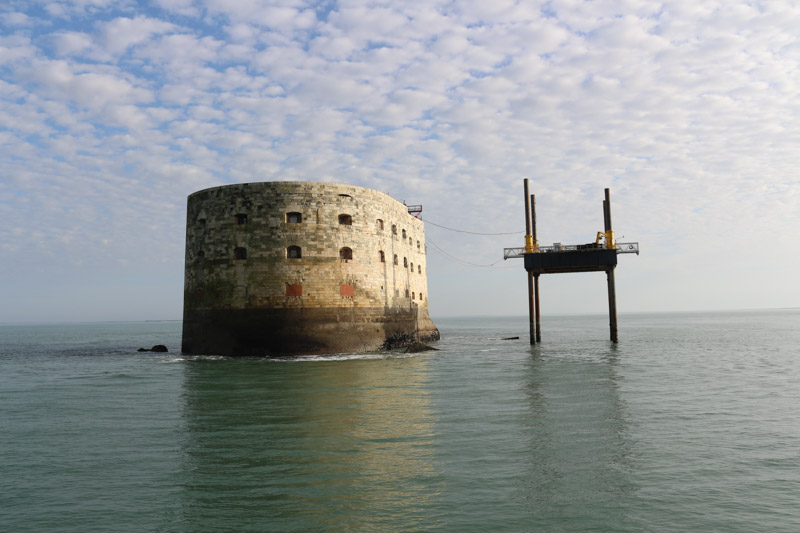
(113, 111)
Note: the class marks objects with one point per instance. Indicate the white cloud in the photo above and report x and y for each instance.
(181, 7)
(71, 42)
(180, 51)
(15, 49)
(122, 33)
(89, 89)
(15, 18)
(284, 17)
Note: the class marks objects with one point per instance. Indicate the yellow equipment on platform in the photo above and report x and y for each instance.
(608, 236)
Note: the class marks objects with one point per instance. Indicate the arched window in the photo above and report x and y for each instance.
(294, 218)
(395, 259)
(345, 220)
(405, 262)
(240, 253)
(394, 229)
(345, 254)
(379, 224)
(406, 293)
(201, 222)
(404, 234)
(201, 255)
(418, 246)
(241, 219)
(413, 297)
(381, 256)
(419, 269)
(294, 252)
(420, 296)
(412, 268)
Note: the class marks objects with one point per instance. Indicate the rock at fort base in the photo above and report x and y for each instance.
(156, 348)
(419, 347)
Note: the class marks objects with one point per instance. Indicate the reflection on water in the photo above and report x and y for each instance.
(580, 450)
(342, 445)
(536, 435)
(689, 424)
(483, 435)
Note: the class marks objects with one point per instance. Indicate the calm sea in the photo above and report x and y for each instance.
(690, 423)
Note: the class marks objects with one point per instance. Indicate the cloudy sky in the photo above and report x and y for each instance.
(113, 111)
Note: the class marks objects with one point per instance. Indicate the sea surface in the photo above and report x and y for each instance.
(691, 423)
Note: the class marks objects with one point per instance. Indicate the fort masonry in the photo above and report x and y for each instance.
(285, 268)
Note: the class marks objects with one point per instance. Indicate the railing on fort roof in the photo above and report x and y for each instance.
(620, 247)
(414, 210)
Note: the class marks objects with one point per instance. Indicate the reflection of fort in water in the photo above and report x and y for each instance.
(339, 443)
(474, 433)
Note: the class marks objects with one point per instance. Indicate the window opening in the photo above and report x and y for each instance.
(405, 262)
(241, 219)
(419, 269)
(404, 234)
(394, 229)
(294, 218)
(345, 220)
(294, 252)
(379, 224)
(345, 254)
(381, 256)
(240, 253)
(395, 259)
(201, 222)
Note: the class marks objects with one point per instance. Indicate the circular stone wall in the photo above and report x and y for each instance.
(283, 268)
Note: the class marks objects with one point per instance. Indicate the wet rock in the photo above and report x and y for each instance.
(415, 347)
(156, 348)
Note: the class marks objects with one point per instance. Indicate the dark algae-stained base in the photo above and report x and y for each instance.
(282, 332)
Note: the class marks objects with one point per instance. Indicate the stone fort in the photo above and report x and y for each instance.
(282, 268)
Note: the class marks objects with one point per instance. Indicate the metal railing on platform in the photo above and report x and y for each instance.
(621, 248)
(628, 248)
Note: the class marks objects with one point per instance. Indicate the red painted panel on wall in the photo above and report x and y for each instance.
(294, 290)
(346, 290)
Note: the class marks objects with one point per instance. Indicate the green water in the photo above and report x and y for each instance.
(689, 424)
